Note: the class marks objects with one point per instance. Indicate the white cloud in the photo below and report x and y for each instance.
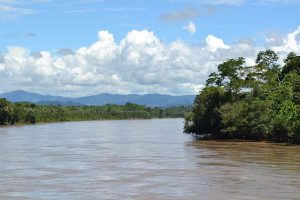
(14, 8)
(139, 63)
(213, 43)
(290, 42)
(191, 28)
(7, 12)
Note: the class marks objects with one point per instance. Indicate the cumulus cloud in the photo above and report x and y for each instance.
(213, 43)
(1, 58)
(191, 28)
(139, 63)
(289, 43)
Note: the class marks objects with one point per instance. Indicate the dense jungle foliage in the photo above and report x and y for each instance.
(28, 113)
(260, 102)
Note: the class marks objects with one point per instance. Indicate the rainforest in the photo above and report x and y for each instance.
(258, 102)
(30, 113)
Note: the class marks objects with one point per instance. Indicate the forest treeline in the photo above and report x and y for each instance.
(29, 113)
(260, 102)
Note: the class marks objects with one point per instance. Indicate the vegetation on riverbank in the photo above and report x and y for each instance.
(29, 113)
(260, 102)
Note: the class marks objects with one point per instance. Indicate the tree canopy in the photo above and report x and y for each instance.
(28, 113)
(260, 102)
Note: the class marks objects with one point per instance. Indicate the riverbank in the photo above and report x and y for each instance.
(211, 137)
(28, 113)
(232, 140)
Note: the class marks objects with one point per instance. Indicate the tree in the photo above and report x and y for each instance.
(292, 63)
(267, 60)
(30, 117)
(229, 75)
(260, 102)
(5, 111)
(206, 118)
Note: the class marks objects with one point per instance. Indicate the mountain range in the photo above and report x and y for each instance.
(151, 100)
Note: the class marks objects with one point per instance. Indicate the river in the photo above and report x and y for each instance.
(140, 159)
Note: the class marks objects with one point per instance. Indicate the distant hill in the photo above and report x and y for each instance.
(151, 100)
(23, 96)
(102, 99)
(164, 100)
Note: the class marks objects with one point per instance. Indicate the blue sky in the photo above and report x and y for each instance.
(57, 26)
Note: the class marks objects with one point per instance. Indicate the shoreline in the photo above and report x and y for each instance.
(198, 139)
(70, 121)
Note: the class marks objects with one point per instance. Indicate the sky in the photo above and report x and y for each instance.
(85, 47)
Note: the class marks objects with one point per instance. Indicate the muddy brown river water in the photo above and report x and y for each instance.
(140, 159)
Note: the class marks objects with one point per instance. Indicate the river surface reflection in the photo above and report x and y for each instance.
(140, 159)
